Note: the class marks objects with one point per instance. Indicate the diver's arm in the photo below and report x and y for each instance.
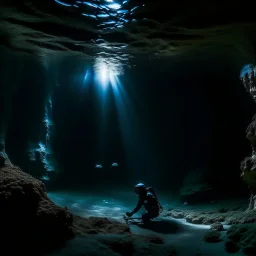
(139, 205)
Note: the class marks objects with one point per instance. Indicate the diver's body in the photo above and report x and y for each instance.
(148, 199)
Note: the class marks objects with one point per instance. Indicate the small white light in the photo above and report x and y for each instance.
(114, 6)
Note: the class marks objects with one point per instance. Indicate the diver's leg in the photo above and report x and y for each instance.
(148, 216)
(145, 217)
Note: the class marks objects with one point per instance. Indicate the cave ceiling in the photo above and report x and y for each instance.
(118, 30)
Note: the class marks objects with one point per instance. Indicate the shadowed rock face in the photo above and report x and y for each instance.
(248, 166)
(248, 77)
(241, 237)
(151, 27)
(29, 220)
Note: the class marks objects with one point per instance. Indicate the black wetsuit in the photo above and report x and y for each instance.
(151, 205)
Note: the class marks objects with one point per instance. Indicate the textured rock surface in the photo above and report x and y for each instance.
(35, 26)
(94, 225)
(248, 166)
(242, 236)
(217, 226)
(209, 217)
(28, 218)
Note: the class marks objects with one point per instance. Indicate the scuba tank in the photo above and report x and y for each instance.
(152, 191)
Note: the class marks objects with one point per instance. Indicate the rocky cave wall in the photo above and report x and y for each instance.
(248, 166)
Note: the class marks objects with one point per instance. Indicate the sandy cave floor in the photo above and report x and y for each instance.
(186, 238)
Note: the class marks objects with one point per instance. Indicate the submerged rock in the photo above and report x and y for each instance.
(210, 217)
(197, 217)
(217, 226)
(194, 219)
(248, 166)
(243, 236)
(177, 214)
(241, 217)
(28, 218)
(96, 225)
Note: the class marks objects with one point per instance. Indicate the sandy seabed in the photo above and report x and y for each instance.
(166, 235)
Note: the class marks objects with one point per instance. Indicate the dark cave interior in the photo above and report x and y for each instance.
(99, 95)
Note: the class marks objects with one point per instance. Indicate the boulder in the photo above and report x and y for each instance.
(217, 226)
(29, 220)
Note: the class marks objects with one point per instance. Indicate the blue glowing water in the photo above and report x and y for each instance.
(247, 69)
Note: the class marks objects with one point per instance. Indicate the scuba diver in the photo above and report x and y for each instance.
(148, 199)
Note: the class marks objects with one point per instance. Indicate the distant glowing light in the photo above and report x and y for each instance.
(106, 69)
(114, 6)
(62, 3)
(104, 73)
(98, 166)
(115, 165)
(45, 177)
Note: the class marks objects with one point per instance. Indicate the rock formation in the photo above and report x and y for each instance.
(242, 236)
(28, 218)
(248, 166)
